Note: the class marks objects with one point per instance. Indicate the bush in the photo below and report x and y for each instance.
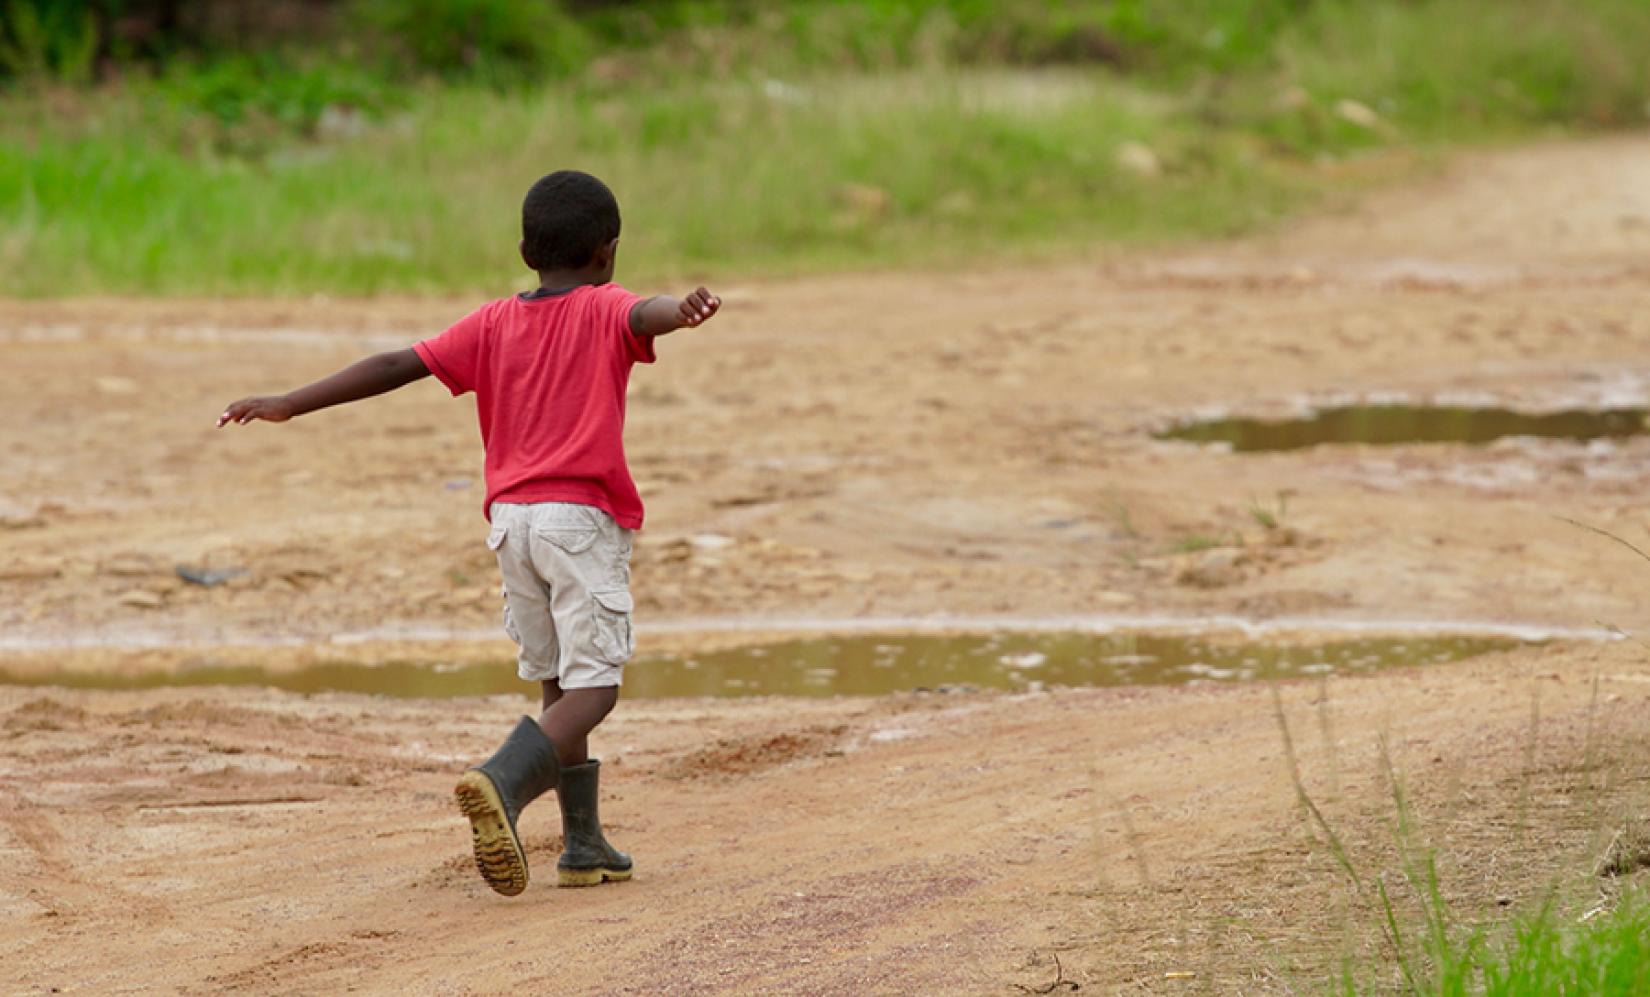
(497, 41)
(44, 39)
(241, 89)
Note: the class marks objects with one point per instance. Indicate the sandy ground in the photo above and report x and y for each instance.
(894, 445)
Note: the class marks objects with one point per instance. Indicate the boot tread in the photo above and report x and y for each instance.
(498, 852)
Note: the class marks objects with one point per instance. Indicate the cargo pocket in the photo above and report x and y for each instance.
(572, 538)
(495, 539)
(615, 641)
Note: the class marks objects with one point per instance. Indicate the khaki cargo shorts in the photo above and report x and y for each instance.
(567, 605)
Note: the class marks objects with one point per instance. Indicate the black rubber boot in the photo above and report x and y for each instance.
(493, 794)
(586, 859)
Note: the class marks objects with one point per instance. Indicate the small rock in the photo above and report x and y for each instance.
(208, 577)
(141, 599)
(1362, 115)
(1212, 569)
(1139, 159)
(129, 566)
(711, 541)
(1282, 536)
(788, 93)
(339, 121)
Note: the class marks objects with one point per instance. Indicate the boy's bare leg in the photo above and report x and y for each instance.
(570, 718)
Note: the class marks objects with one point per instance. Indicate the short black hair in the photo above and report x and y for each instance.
(565, 218)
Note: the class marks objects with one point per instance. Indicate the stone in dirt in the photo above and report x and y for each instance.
(1139, 159)
(208, 577)
(129, 566)
(1216, 568)
(1356, 113)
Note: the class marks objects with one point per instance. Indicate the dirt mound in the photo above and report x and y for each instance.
(741, 756)
(44, 714)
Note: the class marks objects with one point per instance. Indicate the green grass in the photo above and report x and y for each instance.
(747, 177)
(1608, 954)
(1589, 934)
(809, 137)
(1538, 954)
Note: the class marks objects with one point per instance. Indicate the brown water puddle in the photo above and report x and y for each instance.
(1397, 424)
(863, 666)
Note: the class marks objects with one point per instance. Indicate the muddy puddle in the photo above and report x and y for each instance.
(1397, 424)
(863, 666)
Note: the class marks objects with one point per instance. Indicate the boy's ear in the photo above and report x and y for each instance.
(522, 246)
(606, 254)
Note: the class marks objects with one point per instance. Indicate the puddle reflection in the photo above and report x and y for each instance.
(1396, 424)
(861, 666)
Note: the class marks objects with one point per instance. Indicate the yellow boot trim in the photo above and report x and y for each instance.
(499, 857)
(590, 877)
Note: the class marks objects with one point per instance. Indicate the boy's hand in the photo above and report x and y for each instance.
(698, 306)
(273, 408)
(375, 375)
(660, 315)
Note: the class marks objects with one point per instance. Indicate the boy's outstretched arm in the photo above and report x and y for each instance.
(362, 379)
(657, 316)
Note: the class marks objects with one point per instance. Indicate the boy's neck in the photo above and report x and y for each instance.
(562, 281)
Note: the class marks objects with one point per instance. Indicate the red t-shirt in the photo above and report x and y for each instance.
(549, 376)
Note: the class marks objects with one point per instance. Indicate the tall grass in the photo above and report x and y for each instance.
(747, 176)
(785, 137)
(1428, 950)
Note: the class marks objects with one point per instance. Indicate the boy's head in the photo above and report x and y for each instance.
(569, 221)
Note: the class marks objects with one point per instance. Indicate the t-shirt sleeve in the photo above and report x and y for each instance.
(615, 306)
(454, 357)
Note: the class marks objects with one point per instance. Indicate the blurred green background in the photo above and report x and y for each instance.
(364, 146)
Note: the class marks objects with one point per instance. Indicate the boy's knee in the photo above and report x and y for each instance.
(602, 699)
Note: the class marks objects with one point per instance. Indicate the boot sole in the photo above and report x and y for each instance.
(499, 857)
(590, 877)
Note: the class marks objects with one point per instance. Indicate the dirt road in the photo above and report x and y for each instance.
(886, 445)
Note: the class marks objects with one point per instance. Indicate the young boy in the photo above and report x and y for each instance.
(549, 368)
